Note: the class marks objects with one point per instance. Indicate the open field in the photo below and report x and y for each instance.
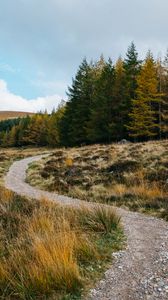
(52, 252)
(129, 175)
(4, 115)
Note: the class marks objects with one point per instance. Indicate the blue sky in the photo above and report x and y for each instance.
(42, 42)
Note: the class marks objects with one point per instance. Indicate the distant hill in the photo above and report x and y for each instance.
(4, 115)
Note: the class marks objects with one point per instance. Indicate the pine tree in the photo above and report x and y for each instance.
(77, 110)
(144, 113)
(132, 67)
(100, 125)
(120, 113)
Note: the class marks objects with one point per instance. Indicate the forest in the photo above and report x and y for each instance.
(107, 102)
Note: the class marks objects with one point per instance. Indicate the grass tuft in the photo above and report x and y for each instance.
(47, 250)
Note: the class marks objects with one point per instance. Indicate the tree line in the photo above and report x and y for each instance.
(106, 102)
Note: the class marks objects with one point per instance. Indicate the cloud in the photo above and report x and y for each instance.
(54, 36)
(12, 102)
(59, 34)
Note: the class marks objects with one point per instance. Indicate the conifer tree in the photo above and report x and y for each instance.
(132, 67)
(120, 113)
(77, 110)
(144, 114)
(100, 125)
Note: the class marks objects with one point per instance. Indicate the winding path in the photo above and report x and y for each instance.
(140, 271)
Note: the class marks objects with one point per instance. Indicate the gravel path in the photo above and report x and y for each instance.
(140, 271)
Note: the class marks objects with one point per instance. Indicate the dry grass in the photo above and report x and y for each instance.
(51, 251)
(133, 175)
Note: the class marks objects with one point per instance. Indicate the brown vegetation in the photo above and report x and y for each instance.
(50, 251)
(133, 175)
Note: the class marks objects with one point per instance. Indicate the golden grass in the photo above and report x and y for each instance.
(147, 191)
(119, 189)
(47, 251)
(143, 190)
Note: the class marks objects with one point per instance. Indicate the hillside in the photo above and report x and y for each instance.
(4, 115)
(132, 175)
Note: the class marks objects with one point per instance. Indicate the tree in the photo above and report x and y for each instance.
(35, 133)
(12, 137)
(120, 113)
(100, 125)
(77, 109)
(53, 126)
(144, 114)
(132, 67)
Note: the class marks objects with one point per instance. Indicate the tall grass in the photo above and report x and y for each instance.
(45, 249)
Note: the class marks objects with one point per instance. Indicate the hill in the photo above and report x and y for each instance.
(4, 115)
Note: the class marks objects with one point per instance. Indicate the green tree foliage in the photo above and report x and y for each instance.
(106, 102)
(121, 96)
(53, 127)
(99, 127)
(132, 68)
(77, 111)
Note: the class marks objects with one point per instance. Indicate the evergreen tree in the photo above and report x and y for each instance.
(77, 110)
(132, 67)
(100, 125)
(144, 114)
(120, 113)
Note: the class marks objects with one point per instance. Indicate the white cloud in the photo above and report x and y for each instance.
(12, 102)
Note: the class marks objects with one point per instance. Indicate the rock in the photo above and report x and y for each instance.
(123, 141)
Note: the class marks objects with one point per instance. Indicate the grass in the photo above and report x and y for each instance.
(130, 175)
(52, 252)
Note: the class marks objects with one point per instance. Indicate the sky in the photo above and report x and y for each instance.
(42, 43)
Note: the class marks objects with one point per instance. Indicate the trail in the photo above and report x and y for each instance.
(138, 272)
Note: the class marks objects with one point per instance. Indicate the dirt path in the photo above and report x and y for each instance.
(140, 271)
